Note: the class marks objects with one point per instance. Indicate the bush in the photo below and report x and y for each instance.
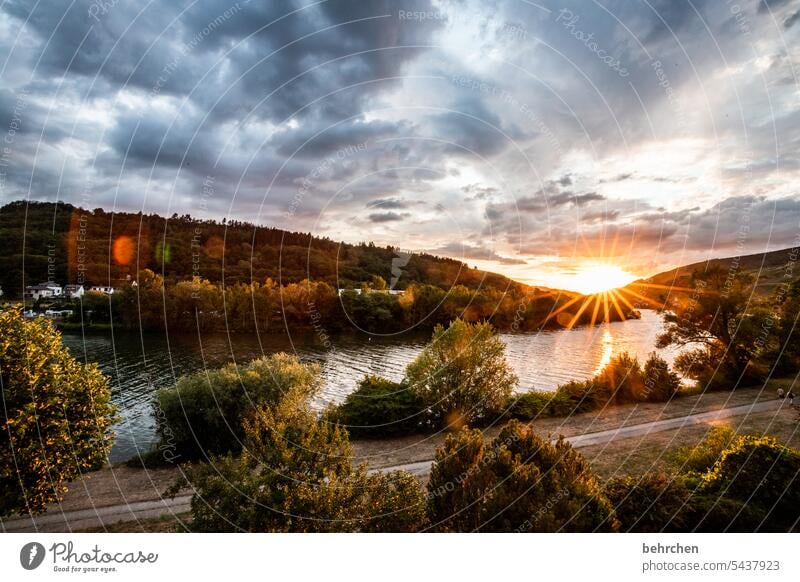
(517, 482)
(462, 375)
(734, 483)
(203, 414)
(58, 415)
(654, 502)
(623, 380)
(535, 404)
(701, 457)
(759, 471)
(295, 475)
(378, 408)
(659, 382)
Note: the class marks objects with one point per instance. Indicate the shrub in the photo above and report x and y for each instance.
(701, 457)
(380, 407)
(462, 375)
(295, 475)
(735, 483)
(759, 471)
(517, 482)
(657, 502)
(716, 514)
(58, 415)
(535, 404)
(659, 382)
(203, 414)
(654, 502)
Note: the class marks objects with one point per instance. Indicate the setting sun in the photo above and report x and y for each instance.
(596, 277)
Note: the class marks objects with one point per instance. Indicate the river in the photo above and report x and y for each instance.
(139, 365)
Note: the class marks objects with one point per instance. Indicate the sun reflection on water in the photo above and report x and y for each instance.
(608, 350)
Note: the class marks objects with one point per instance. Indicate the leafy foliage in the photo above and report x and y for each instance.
(203, 414)
(727, 483)
(701, 457)
(653, 502)
(462, 375)
(380, 407)
(295, 475)
(622, 381)
(759, 471)
(57, 415)
(726, 331)
(517, 482)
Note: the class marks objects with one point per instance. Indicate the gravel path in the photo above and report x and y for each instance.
(95, 517)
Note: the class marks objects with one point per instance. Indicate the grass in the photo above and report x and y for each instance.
(163, 524)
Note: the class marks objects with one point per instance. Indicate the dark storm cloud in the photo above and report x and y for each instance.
(477, 252)
(793, 19)
(131, 98)
(389, 204)
(387, 216)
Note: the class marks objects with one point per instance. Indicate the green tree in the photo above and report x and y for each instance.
(380, 407)
(203, 414)
(57, 415)
(295, 475)
(517, 482)
(462, 375)
(719, 320)
(759, 471)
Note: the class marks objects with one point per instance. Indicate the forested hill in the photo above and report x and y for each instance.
(60, 242)
(768, 270)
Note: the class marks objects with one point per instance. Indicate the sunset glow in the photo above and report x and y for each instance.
(596, 277)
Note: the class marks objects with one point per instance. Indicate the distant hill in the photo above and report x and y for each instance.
(66, 244)
(768, 269)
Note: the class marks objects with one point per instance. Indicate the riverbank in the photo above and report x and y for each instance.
(139, 366)
(625, 439)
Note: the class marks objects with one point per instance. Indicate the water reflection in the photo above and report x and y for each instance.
(608, 349)
(140, 365)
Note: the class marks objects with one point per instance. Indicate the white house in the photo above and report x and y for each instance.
(43, 291)
(57, 313)
(73, 291)
(102, 289)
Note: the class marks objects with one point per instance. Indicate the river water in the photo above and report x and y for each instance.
(139, 365)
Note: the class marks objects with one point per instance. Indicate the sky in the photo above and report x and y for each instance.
(536, 139)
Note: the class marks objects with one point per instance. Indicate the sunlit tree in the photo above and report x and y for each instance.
(57, 415)
(462, 375)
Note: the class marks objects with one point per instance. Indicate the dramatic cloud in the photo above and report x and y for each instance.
(526, 137)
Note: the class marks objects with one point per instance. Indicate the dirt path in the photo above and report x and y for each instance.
(141, 498)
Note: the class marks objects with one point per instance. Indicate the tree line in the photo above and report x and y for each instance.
(156, 303)
(69, 245)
